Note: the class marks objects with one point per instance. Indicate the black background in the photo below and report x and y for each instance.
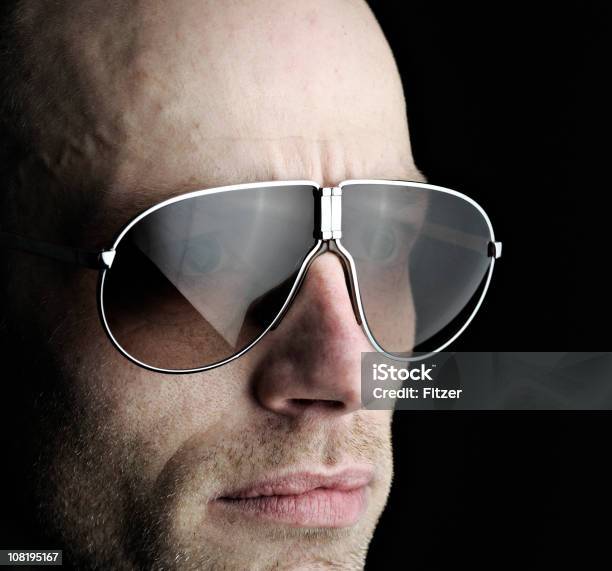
(507, 103)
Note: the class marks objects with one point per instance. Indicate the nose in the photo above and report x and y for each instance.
(312, 362)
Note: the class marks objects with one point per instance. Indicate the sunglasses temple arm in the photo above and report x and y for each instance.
(95, 260)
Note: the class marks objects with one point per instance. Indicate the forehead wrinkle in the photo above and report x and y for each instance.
(233, 160)
(188, 103)
(152, 88)
(230, 90)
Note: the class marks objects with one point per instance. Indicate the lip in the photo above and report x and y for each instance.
(303, 499)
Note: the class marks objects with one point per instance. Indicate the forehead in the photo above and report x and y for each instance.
(176, 96)
(263, 91)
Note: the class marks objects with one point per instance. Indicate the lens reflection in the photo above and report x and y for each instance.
(420, 255)
(196, 281)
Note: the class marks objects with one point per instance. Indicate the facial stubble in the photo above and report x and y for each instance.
(102, 497)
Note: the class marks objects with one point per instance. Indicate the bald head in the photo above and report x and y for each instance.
(116, 106)
(161, 97)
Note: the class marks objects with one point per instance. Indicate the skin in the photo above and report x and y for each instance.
(130, 103)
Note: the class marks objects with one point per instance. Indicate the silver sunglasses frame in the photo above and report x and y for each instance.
(321, 245)
(329, 240)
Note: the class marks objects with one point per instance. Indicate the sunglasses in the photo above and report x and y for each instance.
(194, 282)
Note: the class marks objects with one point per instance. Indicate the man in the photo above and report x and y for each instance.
(111, 107)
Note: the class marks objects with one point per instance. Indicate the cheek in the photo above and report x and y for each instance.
(380, 421)
(378, 424)
(156, 410)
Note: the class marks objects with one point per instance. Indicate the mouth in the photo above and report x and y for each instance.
(303, 499)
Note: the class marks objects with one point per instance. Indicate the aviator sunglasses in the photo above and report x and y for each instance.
(194, 282)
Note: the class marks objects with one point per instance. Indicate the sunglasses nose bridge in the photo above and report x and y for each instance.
(328, 212)
(350, 278)
(350, 275)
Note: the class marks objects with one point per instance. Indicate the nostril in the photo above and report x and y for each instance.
(317, 403)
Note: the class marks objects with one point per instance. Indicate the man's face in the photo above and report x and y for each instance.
(144, 101)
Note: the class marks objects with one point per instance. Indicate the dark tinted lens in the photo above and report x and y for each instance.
(421, 256)
(197, 281)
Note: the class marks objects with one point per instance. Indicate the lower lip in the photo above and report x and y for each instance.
(322, 507)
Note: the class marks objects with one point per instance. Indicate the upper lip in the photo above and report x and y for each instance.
(298, 483)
